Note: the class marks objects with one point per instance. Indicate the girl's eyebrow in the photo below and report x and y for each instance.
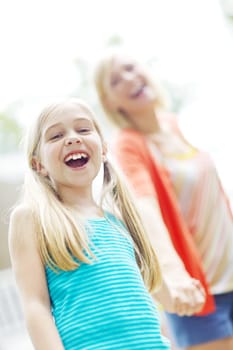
(61, 124)
(51, 127)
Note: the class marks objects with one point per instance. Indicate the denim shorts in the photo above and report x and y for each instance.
(193, 330)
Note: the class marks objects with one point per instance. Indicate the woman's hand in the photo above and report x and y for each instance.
(183, 296)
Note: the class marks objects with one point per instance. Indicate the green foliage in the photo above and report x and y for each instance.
(114, 40)
(10, 133)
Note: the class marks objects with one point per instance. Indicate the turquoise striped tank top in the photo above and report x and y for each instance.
(105, 305)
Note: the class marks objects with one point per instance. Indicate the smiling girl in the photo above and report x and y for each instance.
(84, 270)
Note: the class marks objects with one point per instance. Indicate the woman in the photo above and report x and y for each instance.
(163, 167)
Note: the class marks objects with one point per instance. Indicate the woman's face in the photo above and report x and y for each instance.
(127, 86)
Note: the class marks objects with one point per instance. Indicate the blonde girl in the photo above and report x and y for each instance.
(84, 270)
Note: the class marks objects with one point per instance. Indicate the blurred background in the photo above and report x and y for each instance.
(49, 48)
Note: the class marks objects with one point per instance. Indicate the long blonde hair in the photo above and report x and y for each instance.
(102, 71)
(61, 235)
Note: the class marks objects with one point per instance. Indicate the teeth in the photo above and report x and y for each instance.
(75, 156)
(135, 92)
(138, 89)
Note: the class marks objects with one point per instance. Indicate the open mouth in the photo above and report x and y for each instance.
(138, 92)
(76, 160)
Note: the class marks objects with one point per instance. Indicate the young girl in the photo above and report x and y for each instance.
(80, 269)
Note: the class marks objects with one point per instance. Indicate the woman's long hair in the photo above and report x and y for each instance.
(60, 232)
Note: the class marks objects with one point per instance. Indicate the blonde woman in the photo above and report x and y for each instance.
(181, 201)
(84, 270)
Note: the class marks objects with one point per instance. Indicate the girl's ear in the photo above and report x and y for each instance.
(38, 167)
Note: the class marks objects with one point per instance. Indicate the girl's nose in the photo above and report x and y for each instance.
(72, 140)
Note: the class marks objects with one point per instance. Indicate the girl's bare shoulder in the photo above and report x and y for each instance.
(21, 225)
(21, 214)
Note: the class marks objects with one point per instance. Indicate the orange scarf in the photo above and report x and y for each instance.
(130, 141)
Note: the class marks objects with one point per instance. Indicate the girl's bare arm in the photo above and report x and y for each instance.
(31, 280)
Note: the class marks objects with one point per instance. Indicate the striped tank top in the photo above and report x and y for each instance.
(105, 305)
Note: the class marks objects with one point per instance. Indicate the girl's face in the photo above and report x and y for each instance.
(127, 86)
(71, 149)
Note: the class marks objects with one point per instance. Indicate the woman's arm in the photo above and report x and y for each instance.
(31, 280)
(180, 293)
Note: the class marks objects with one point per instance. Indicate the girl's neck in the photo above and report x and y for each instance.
(88, 211)
(82, 203)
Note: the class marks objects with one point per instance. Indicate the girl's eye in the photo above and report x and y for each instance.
(84, 130)
(56, 136)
